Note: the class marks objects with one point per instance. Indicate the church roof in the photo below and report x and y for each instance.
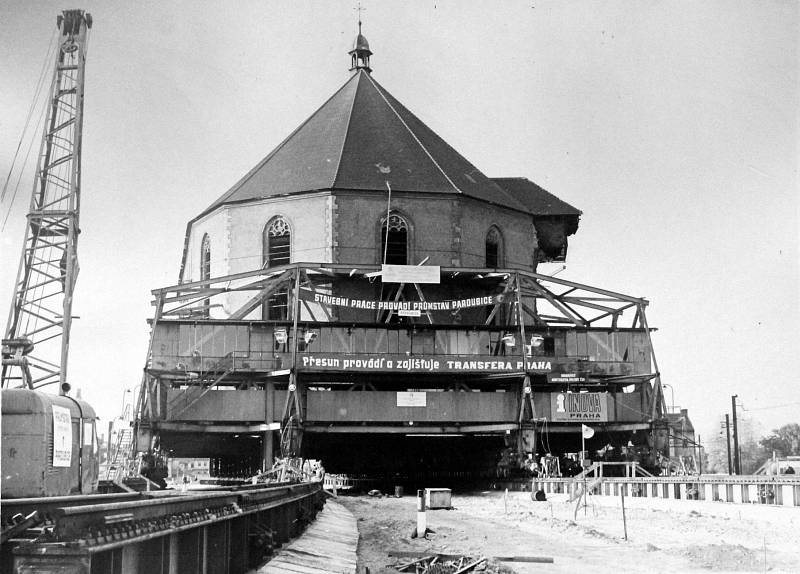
(536, 199)
(360, 138)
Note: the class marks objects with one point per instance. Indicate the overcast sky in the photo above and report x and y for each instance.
(673, 126)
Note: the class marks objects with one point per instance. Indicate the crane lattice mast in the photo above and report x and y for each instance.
(36, 342)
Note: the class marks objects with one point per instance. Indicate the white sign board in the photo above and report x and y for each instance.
(410, 273)
(409, 312)
(62, 436)
(411, 399)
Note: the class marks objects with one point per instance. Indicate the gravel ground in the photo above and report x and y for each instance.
(663, 535)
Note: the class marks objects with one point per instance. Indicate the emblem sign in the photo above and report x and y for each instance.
(579, 406)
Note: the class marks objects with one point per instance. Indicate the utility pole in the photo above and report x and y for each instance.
(700, 454)
(728, 437)
(737, 469)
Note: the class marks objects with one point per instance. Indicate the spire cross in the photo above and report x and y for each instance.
(360, 10)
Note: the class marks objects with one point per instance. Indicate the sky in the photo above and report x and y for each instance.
(672, 125)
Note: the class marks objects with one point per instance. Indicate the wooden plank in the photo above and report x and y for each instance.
(316, 546)
(325, 560)
(331, 552)
(327, 546)
(422, 554)
(311, 542)
(276, 566)
(535, 559)
(324, 538)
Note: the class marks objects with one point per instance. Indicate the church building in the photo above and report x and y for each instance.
(368, 297)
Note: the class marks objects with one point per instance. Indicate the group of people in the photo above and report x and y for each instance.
(547, 466)
(555, 466)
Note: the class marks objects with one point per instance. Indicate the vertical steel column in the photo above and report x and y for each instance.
(130, 558)
(269, 400)
(292, 422)
(658, 408)
(526, 392)
(238, 547)
(173, 553)
(202, 543)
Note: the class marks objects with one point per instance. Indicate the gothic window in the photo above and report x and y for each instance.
(277, 242)
(205, 268)
(394, 242)
(494, 248)
(277, 251)
(205, 258)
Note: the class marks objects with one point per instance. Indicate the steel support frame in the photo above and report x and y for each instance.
(536, 300)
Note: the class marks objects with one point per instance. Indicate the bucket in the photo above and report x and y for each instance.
(398, 492)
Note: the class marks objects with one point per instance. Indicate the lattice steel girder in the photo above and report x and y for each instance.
(48, 265)
(560, 301)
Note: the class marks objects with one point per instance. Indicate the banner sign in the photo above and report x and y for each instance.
(573, 377)
(412, 399)
(579, 406)
(448, 305)
(410, 273)
(419, 363)
(62, 436)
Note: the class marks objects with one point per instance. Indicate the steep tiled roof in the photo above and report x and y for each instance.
(351, 141)
(537, 200)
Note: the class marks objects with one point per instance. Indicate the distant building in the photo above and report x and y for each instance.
(190, 467)
(682, 441)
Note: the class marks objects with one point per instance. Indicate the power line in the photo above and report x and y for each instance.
(36, 92)
(784, 405)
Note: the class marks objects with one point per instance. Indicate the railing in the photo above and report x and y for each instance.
(750, 489)
(118, 461)
(596, 470)
(205, 382)
(194, 347)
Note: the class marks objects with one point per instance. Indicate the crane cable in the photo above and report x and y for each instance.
(34, 101)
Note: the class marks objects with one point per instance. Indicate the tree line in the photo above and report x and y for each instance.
(755, 448)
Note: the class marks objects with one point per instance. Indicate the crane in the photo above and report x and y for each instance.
(36, 342)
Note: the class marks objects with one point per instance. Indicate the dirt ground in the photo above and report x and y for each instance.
(663, 535)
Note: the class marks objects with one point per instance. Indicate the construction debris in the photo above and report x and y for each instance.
(432, 563)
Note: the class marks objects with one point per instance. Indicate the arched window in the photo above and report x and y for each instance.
(394, 243)
(277, 242)
(494, 248)
(205, 258)
(205, 268)
(277, 251)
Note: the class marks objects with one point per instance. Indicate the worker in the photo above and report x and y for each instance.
(532, 466)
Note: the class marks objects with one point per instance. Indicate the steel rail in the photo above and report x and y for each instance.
(85, 532)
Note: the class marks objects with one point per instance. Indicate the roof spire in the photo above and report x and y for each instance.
(359, 55)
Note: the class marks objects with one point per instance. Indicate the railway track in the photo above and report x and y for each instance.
(225, 530)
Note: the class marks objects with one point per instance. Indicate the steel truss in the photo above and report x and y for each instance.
(41, 311)
(523, 301)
